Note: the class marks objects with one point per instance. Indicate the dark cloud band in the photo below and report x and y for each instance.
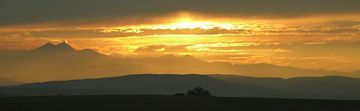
(38, 11)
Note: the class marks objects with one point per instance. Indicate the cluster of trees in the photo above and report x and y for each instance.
(197, 91)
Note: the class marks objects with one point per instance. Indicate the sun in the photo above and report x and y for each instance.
(191, 25)
(187, 22)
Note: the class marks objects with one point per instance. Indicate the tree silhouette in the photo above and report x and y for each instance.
(198, 91)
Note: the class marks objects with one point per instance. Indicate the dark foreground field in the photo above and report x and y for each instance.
(170, 103)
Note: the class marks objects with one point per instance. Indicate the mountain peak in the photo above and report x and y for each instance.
(46, 47)
(48, 44)
(65, 47)
(49, 47)
(63, 44)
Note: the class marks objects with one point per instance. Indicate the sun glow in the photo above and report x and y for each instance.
(179, 22)
(186, 22)
(194, 25)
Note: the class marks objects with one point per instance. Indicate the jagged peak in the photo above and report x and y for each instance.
(49, 47)
(65, 45)
(45, 47)
(49, 44)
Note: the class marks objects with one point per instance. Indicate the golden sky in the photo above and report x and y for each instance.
(306, 34)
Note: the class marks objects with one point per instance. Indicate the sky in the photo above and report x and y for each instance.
(314, 34)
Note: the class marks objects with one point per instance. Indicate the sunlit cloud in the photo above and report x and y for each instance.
(318, 37)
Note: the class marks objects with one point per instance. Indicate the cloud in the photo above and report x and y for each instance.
(164, 49)
(332, 28)
(39, 11)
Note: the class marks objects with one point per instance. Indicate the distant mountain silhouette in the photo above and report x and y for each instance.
(89, 52)
(331, 87)
(319, 87)
(49, 47)
(65, 47)
(7, 82)
(45, 48)
(51, 62)
(62, 49)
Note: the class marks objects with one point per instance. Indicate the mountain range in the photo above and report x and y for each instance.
(330, 87)
(62, 70)
(51, 62)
